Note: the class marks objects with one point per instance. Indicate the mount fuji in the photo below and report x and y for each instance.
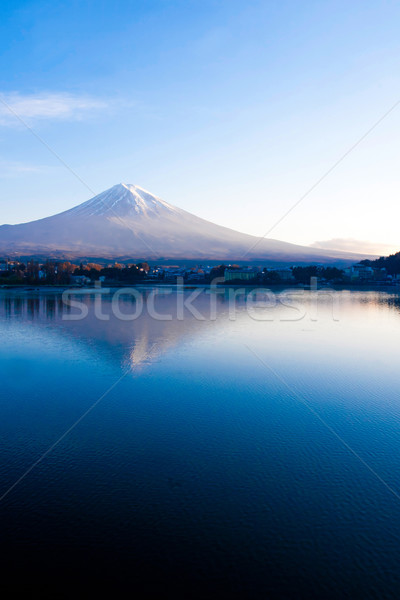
(127, 221)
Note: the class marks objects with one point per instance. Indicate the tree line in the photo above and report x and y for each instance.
(390, 263)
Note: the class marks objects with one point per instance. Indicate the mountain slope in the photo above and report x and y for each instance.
(126, 220)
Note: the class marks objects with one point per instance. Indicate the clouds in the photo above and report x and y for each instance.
(15, 107)
(11, 168)
(353, 245)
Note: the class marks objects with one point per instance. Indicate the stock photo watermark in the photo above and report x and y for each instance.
(178, 302)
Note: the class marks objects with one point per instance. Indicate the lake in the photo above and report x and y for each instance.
(217, 444)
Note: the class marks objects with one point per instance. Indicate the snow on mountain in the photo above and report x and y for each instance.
(123, 200)
(128, 221)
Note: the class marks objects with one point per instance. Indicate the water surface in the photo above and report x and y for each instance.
(251, 453)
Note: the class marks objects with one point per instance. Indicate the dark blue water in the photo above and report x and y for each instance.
(252, 454)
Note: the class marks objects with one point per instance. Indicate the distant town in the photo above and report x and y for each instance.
(383, 271)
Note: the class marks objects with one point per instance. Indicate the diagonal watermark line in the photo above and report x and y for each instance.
(63, 436)
(324, 176)
(318, 416)
(58, 157)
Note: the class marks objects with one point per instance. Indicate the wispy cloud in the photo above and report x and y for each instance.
(353, 245)
(10, 168)
(47, 106)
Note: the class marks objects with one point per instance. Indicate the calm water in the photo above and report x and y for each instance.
(249, 455)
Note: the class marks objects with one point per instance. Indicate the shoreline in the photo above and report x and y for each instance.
(59, 289)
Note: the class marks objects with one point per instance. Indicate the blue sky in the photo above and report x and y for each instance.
(231, 110)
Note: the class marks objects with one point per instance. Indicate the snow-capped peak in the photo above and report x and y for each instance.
(122, 200)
